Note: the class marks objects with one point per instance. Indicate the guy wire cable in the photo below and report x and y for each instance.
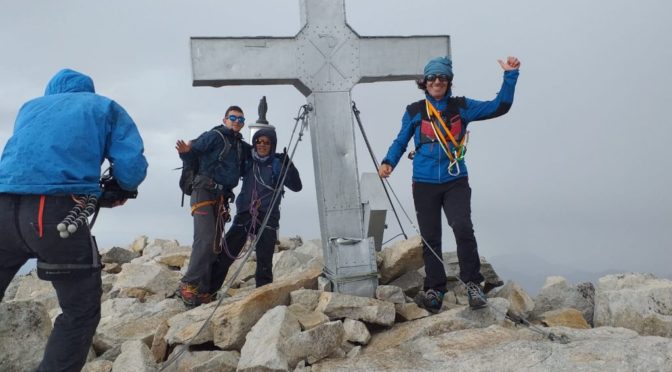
(375, 165)
(252, 248)
(518, 319)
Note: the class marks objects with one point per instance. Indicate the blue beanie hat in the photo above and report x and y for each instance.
(438, 66)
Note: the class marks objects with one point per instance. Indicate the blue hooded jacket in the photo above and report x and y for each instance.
(430, 164)
(223, 167)
(60, 141)
(262, 176)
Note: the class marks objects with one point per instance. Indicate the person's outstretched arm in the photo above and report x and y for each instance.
(482, 110)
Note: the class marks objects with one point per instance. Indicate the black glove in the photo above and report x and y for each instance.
(284, 157)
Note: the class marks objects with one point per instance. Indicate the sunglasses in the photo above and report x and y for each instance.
(442, 77)
(262, 142)
(235, 118)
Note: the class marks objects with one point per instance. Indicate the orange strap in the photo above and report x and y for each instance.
(202, 204)
(40, 213)
(431, 111)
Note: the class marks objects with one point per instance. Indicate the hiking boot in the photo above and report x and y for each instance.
(206, 298)
(188, 293)
(432, 301)
(476, 296)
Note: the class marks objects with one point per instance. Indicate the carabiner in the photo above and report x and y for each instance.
(462, 150)
(455, 164)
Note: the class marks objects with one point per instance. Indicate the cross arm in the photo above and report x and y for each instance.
(244, 61)
(404, 56)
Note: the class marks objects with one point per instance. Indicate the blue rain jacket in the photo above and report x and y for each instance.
(60, 141)
(430, 164)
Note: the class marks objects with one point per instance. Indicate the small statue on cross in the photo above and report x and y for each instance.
(263, 108)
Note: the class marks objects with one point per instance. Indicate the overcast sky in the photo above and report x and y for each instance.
(577, 173)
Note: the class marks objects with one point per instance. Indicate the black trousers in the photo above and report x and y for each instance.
(454, 198)
(235, 240)
(78, 290)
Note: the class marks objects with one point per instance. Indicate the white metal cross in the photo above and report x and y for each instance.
(324, 61)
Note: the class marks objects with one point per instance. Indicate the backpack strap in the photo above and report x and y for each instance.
(227, 144)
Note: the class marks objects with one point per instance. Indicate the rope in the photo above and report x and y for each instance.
(303, 117)
(459, 149)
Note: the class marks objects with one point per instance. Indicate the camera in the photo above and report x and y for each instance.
(112, 192)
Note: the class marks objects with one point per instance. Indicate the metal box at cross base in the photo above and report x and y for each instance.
(351, 266)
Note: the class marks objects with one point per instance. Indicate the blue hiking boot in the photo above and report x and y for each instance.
(432, 301)
(477, 299)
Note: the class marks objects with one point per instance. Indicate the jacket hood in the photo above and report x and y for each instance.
(268, 132)
(69, 81)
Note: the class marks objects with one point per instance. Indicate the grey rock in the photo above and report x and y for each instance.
(119, 256)
(288, 263)
(640, 302)
(100, 365)
(557, 294)
(151, 279)
(356, 331)
(24, 330)
(337, 306)
(32, 288)
(410, 311)
(139, 244)
(390, 293)
(135, 356)
(125, 319)
(315, 344)
(501, 349)
(264, 347)
(306, 297)
(399, 258)
(521, 303)
(410, 282)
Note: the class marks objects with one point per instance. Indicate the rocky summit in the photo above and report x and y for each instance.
(621, 323)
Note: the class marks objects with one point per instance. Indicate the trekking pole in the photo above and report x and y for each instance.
(355, 110)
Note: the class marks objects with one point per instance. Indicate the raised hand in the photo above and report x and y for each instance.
(512, 63)
(183, 147)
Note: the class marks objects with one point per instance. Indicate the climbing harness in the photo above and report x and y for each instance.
(459, 149)
(356, 111)
(459, 155)
(302, 117)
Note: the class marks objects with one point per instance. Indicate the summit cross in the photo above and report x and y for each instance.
(324, 61)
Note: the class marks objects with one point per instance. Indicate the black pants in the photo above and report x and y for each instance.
(235, 240)
(78, 290)
(455, 199)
